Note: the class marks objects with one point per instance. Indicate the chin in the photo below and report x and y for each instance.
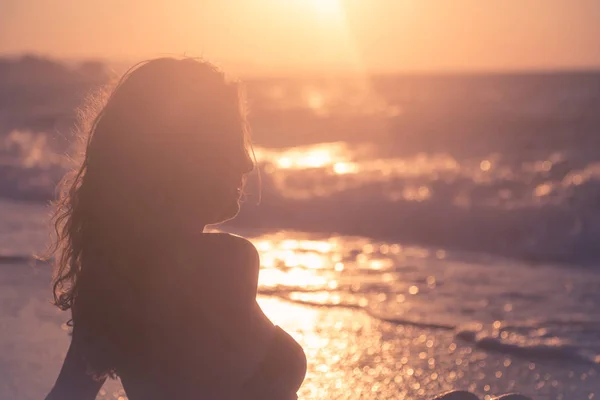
(229, 213)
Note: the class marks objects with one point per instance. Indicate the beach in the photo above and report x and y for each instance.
(366, 335)
(417, 233)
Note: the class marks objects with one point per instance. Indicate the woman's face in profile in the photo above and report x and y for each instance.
(222, 163)
(186, 145)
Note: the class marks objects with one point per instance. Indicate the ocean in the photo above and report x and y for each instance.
(417, 233)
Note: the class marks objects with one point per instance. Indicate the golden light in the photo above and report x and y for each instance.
(315, 100)
(327, 8)
(342, 168)
(485, 165)
(308, 157)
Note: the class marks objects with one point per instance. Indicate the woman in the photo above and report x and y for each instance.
(169, 309)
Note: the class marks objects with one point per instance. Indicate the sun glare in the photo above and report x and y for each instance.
(327, 7)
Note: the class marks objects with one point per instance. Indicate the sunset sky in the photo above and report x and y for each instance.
(378, 35)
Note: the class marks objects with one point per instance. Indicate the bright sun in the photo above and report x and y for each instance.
(327, 7)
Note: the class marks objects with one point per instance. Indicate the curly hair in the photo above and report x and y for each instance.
(108, 208)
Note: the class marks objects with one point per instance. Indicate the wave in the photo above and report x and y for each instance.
(501, 338)
(431, 289)
(495, 164)
(539, 210)
(527, 347)
(544, 210)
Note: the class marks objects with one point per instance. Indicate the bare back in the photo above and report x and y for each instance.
(210, 334)
(204, 334)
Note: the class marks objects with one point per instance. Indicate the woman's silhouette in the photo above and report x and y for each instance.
(169, 309)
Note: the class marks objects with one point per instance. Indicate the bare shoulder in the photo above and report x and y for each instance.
(232, 249)
(233, 267)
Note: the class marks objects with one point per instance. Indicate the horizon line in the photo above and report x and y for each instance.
(244, 68)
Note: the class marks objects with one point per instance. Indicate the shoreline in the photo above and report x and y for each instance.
(355, 356)
(350, 354)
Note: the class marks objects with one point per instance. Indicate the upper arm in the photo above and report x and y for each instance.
(73, 382)
(247, 265)
(237, 269)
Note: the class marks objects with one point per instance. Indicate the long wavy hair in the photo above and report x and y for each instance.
(162, 147)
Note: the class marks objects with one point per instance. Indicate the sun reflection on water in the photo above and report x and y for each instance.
(314, 165)
(336, 270)
(319, 156)
(315, 100)
(326, 170)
